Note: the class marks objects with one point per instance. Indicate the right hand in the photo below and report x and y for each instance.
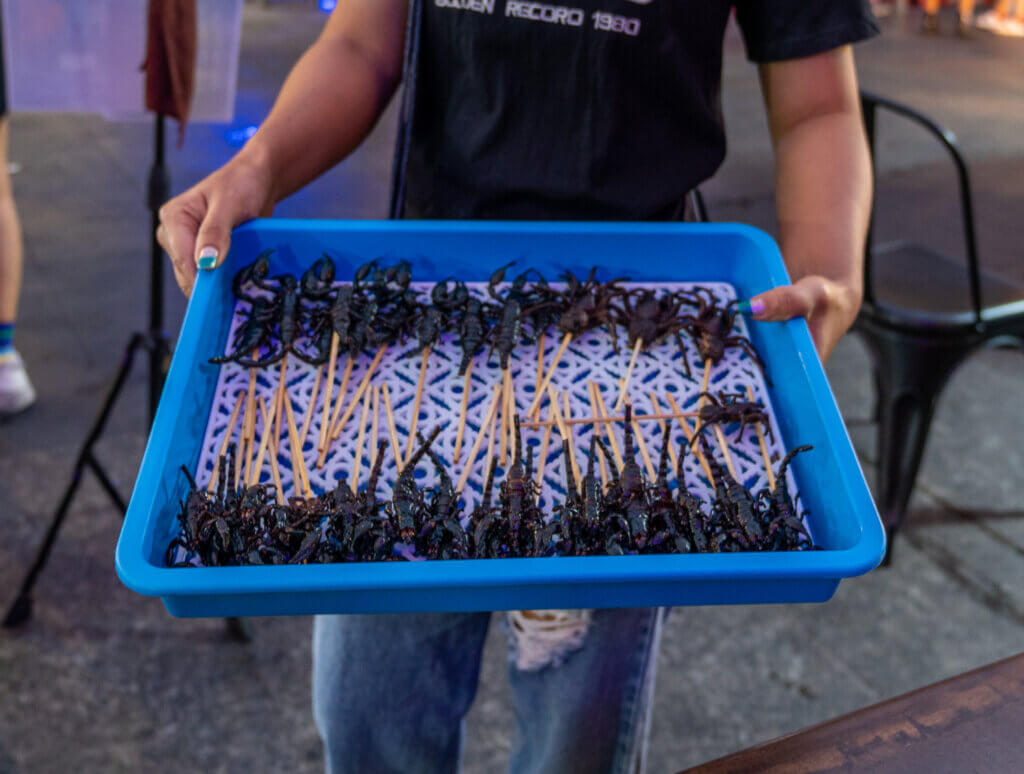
(200, 220)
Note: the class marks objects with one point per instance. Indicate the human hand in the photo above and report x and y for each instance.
(195, 226)
(829, 307)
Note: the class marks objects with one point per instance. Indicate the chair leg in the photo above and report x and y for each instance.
(909, 376)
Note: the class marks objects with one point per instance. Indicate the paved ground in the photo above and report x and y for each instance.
(103, 680)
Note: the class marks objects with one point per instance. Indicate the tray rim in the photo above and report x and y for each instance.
(136, 572)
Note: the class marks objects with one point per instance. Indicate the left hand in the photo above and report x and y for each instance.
(829, 307)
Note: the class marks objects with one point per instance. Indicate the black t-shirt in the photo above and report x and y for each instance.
(587, 109)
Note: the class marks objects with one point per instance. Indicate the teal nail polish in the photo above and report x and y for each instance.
(743, 307)
(207, 258)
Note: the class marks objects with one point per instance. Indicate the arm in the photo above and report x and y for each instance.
(823, 192)
(328, 104)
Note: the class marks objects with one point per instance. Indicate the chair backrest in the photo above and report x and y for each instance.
(870, 104)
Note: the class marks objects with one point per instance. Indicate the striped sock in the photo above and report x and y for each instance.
(6, 338)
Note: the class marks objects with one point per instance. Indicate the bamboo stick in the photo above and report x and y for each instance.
(336, 429)
(339, 402)
(666, 432)
(624, 382)
(544, 441)
(332, 361)
(597, 429)
(643, 449)
(249, 423)
(503, 445)
(725, 451)
(566, 417)
(229, 431)
(462, 414)
(312, 404)
(540, 362)
(282, 389)
(603, 420)
(512, 408)
(268, 420)
(298, 464)
(416, 403)
(689, 437)
(395, 446)
(360, 438)
(563, 431)
(535, 405)
(374, 426)
(479, 439)
(275, 472)
(616, 452)
(764, 447)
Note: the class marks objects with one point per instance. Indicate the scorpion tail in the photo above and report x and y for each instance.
(591, 455)
(188, 476)
(371, 485)
(489, 485)
(628, 435)
(663, 462)
(570, 477)
(608, 458)
(517, 453)
(788, 458)
(424, 447)
(529, 463)
(232, 451)
(222, 477)
(442, 472)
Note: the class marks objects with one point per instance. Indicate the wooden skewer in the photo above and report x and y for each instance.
(540, 361)
(275, 472)
(547, 378)
(249, 423)
(360, 437)
(764, 447)
(491, 429)
(567, 417)
(462, 414)
(563, 431)
(339, 401)
(665, 429)
(395, 446)
(301, 480)
(603, 420)
(416, 403)
(375, 426)
(312, 404)
(505, 420)
(336, 429)
(479, 439)
(624, 382)
(689, 437)
(725, 451)
(544, 441)
(331, 364)
(512, 409)
(282, 389)
(704, 385)
(597, 429)
(268, 421)
(228, 432)
(616, 452)
(643, 449)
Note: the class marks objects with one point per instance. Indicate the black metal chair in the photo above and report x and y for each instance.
(917, 332)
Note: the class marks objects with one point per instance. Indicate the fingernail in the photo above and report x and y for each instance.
(207, 258)
(750, 308)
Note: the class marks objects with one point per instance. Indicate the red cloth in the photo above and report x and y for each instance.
(170, 62)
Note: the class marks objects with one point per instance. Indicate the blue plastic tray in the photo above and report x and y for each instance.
(842, 516)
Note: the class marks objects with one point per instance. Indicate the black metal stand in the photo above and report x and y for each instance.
(156, 343)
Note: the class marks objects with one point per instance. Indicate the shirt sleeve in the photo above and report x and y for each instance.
(774, 30)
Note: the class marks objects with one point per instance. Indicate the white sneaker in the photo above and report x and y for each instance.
(989, 20)
(1013, 28)
(16, 392)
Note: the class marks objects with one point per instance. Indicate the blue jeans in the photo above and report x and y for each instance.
(390, 693)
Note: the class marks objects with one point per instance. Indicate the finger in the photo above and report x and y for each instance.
(214, 237)
(786, 302)
(176, 235)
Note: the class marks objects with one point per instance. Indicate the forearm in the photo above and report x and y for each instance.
(823, 197)
(329, 103)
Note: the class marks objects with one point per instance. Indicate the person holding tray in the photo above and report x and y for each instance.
(594, 109)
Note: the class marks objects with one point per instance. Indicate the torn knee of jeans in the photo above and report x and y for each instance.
(544, 638)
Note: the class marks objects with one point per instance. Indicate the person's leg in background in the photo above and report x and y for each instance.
(966, 17)
(588, 711)
(930, 23)
(390, 692)
(16, 392)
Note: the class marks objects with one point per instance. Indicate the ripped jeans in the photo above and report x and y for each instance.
(390, 693)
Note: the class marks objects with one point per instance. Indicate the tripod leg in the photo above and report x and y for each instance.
(21, 609)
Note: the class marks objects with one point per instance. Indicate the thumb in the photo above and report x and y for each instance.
(784, 303)
(213, 238)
